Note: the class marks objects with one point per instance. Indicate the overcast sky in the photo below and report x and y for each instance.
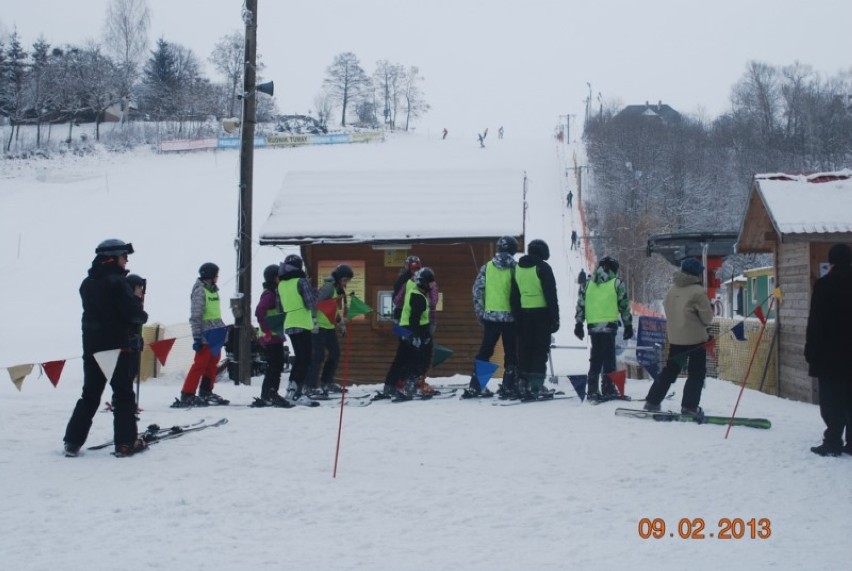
(486, 63)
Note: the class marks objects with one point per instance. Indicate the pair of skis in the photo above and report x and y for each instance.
(154, 433)
(670, 416)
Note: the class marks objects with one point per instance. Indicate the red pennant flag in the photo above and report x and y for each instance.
(53, 370)
(329, 309)
(161, 349)
(618, 378)
(758, 312)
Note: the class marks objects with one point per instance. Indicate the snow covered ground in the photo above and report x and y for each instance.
(446, 484)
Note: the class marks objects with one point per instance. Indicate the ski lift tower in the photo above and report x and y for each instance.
(709, 247)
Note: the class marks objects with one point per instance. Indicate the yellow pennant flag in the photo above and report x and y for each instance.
(777, 293)
(18, 373)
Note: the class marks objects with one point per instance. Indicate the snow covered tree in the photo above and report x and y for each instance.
(413, 100)
(227, 58)
(13, 74)
(346, 82)
(126, 39)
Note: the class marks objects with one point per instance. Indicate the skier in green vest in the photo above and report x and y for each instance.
(205, 315)
(492, 305)
(602, 300)
(298, 299)
(536, 309)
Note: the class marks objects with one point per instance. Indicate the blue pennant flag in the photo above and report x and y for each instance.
(401, 331)
(739, 331)
(579, 384)
(484, 370)
(215, 338)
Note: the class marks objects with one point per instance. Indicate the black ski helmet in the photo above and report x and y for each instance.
(269, 275)
(608, 263)
(507, 244)
(539, 248)
(135, 281)
(343, 271)
(208, 271)
(424, 278)
(113, 247)
(294, 260)
(413, 263)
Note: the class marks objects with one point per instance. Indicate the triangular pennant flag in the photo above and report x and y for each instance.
(53, 370)
(401, 331)
(618, 378)
(739, 331)
(328, 308)
(484, 370)
(357, 307)
(18, 373)
(758, 312)
(777, 293)
(440, 354)
(161, 349)
(276, 323)
(106, 361)
(579, 384)
(216, 338)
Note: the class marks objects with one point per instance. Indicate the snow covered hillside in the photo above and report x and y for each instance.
(445, 484)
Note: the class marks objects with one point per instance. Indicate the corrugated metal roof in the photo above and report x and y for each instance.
(382, 206)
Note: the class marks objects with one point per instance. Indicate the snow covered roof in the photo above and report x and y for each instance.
(789, 205)
(387, 206)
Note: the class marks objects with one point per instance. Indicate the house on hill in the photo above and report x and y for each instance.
(660, 112)
(373, 220)
(797, 218)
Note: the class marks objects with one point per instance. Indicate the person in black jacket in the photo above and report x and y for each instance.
(536, 310)
(828, 341)
(112, 315)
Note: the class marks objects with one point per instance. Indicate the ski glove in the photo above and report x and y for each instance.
(196, 344)
(578, 331)
(416, 342)
(628, 332)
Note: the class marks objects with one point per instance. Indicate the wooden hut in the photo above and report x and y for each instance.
(797, 218)
(373, 220)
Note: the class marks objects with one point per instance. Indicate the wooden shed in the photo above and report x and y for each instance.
(373, 220)
(797, 218)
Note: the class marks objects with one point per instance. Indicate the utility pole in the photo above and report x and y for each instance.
(241, 304)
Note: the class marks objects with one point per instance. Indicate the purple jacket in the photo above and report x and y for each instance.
(268, 301)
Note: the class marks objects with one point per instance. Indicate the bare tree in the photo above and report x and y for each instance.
(324, 106)
(227, 58)
(386, 81)
(415, 103)
(345, 82)
(126, 38)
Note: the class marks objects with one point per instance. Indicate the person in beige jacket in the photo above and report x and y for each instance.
(689, 313)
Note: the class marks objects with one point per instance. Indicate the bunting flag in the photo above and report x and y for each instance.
(484, 370)
(162, 348)
(53, 370)
(401, 331)
(18, 373)
(618, 378)
(758, 312)
(357, 307)
(328, 307)
(276, 323)
(777, 293)
(107, 360)
(739, 331)
(579, 384)
(216, 338)
(440, 354)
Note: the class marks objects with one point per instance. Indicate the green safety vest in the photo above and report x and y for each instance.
(498, 286)
(406, 309)
(601, 302)
(211, 306)
(322, 319)
(296, 314)
(532, 296)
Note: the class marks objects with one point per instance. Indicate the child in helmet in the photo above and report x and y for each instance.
(325, 347)
(298, 300)
(268, 307)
